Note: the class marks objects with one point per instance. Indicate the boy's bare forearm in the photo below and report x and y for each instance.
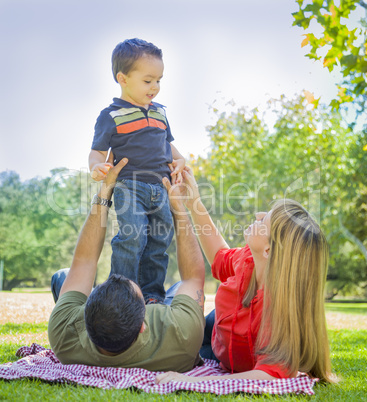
(175, 153)
(96, 157)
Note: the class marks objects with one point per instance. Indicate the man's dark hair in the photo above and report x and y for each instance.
(114, 314)
(127, 52)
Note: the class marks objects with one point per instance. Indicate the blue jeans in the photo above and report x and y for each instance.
(206, 350)
(145, 233)
(58, 279)
(56, 282)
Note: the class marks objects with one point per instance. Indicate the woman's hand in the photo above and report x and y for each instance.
(246, 375)
(164, 378)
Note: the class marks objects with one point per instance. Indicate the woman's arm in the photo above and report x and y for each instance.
(210, 239)
(247, 375)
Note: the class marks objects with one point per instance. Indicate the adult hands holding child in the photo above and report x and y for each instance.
(183, 194)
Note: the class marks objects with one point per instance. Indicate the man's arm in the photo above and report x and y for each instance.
(209, 236)
(90, 242)
(189, 256)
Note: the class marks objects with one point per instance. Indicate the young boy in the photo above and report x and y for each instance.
(136, 128)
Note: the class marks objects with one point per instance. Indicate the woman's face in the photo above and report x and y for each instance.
(257, 235)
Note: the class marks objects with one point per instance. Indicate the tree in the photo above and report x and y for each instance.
(20, 246)
(38, 233)
(345, 47)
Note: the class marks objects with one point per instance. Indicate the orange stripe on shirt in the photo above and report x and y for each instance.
(157, 123)
(133, 126)
(139, 124)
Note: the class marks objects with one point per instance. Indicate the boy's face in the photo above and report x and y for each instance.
(142, 84)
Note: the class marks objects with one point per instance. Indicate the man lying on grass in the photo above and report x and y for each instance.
(111, 326)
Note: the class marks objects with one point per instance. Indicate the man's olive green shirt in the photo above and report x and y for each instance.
(171, 340)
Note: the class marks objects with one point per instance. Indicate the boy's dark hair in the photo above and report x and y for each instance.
(127, 52)
(114, 314)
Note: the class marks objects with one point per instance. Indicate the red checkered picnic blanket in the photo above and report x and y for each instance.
(38, 362)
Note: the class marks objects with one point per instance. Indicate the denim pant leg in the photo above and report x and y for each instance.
(171, 292)
(154, 260)
(130, 241)
(57, 280)
(206, 350)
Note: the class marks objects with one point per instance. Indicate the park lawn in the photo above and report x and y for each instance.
(348, 354)
(347, 308)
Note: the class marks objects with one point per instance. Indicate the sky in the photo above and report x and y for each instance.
(55, 70)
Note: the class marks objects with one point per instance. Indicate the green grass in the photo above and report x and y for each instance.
(349, 362)
(26, 328)
(347, 308)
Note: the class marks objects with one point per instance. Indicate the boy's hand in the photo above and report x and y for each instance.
(100, 171)
(177, 166)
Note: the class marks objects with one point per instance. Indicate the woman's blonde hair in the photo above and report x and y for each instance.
(293, 327)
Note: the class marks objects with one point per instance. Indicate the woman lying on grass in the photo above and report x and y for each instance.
(269, 308)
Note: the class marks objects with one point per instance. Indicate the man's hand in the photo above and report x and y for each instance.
(177, 193)
(192, 188)
(110, 179)
(113, 172)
